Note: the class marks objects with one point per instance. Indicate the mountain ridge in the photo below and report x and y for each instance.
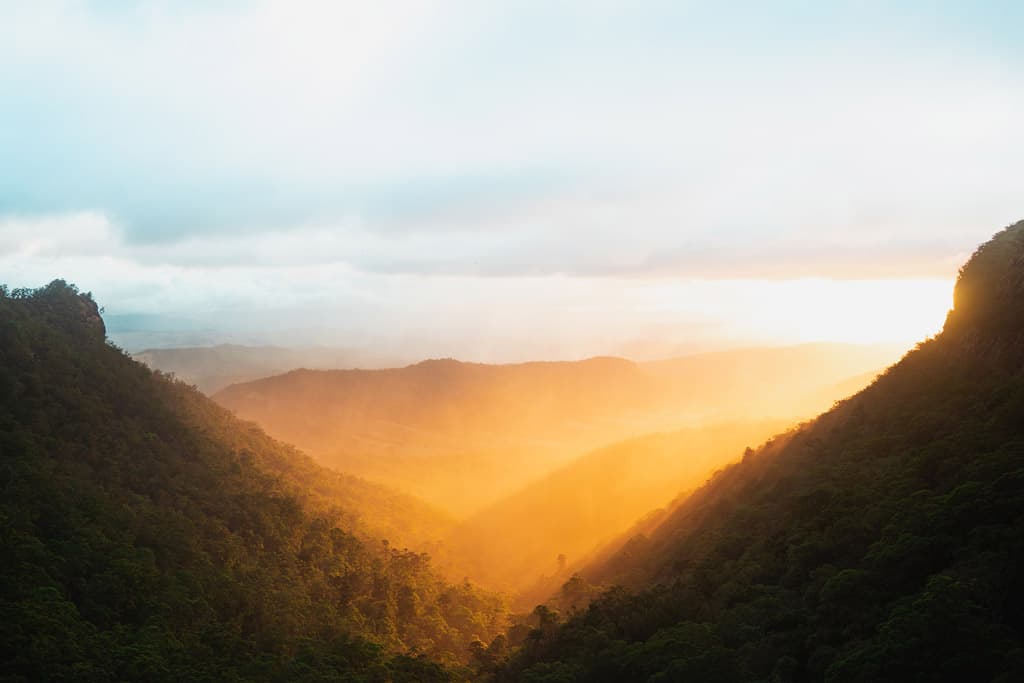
(149, 535)
(879, 542)
(462, 434)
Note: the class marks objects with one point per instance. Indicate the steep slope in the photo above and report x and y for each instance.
(462, 435)
(883, 541)
(549, 526)
(149, 535)
(375, 511)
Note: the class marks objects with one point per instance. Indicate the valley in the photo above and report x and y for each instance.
(458, 521)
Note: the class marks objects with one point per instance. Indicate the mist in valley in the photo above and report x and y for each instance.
(511, 342)
(537, 465)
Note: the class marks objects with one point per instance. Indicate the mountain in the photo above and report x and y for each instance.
(462, 435)
(552, 524)
(149, 535)
(883, 541)
(211, 368)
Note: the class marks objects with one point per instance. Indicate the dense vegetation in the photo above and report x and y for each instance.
(148, 535)
(883, 541)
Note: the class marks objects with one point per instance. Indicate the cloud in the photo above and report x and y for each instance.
(55, 236)
(405, 164)
(290, 297)
(546, 240)
(185, 120)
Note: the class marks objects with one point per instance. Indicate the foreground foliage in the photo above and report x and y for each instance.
(148, 535)
(883, 541)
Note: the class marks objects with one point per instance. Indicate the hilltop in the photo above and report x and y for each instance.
(879, 542)
(150, 535)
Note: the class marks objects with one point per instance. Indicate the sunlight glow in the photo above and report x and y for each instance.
(744, 312)
(855, 311)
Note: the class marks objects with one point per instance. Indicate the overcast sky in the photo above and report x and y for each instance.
(508, 180)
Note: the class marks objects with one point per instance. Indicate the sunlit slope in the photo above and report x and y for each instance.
(881, 542)
(462, 435)
(211, 368)
(571, 511)
(149, 535)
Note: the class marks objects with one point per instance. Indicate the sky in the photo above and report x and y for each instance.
(502, 181)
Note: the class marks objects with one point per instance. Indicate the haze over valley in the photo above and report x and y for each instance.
(586, 445)
(184, 486)
(511, 342)
(464, 435)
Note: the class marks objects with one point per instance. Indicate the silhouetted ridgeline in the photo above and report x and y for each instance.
(148, 535)
(883, 541)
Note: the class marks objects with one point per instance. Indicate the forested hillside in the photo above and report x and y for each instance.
(149, 535)
(883, 541)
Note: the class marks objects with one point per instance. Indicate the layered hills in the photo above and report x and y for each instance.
(881, 541)
(150, 535)
(463, 435)
(539, 534)
(212, 368)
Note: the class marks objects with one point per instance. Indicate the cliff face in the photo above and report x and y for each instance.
(64, 306)
(988, 302)
(89, 312)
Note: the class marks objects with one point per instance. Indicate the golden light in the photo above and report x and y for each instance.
(755, 312)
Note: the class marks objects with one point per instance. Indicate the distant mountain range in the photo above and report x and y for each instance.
(149, 534)
(211, 368)
(461, 435)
